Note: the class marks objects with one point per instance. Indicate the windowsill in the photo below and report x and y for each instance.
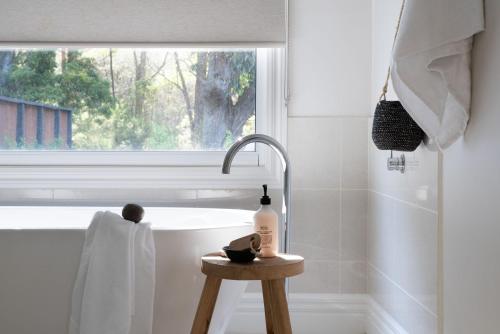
(124, 158)
(137, 177)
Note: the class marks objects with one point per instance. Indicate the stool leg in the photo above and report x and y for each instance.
(281, 318)
(266, 293)
(206, 305)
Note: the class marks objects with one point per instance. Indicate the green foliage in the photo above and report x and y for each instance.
(79, 86)
(33, 77)
(243, 65)
(82, 86)
(162, 137)
(228, 140)
(130, 131)
(9, 143)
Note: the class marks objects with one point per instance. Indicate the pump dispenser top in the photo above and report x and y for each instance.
(265, 200)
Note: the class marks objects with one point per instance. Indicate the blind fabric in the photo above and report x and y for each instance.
(143, 21)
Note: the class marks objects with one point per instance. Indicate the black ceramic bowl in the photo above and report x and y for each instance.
(240, 256)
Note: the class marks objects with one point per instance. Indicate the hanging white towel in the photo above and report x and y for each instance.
(431, 64)
(114, 288)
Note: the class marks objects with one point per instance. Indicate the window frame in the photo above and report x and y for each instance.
(154, 169)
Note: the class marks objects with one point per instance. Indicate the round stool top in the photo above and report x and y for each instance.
(271, 268)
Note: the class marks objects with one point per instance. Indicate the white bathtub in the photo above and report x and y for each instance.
(40, 252)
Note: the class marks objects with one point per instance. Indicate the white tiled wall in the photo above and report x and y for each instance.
(402, 231)
(327, 141)
(330, 188)
(402, 240)
(329, 57)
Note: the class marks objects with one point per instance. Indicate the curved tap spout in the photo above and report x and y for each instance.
(285, 161)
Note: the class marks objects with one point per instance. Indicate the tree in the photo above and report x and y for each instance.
(79, 85)
(134, 124)
(224, 96)
(83, 87)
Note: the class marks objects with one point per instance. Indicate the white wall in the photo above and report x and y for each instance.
(402, 215)
(471, 189)
(327, 141)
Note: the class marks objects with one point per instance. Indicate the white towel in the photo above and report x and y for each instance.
(114, 287)
(431, 64)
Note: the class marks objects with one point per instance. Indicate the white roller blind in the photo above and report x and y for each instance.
(143, 21)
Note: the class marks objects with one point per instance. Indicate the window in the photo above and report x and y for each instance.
(95, 108)
(126, 99)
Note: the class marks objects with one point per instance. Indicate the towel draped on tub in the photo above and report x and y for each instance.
(114, 287)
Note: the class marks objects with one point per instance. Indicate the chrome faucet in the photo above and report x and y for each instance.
(285, 162)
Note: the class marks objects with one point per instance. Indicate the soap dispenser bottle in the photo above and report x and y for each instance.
(266, 225)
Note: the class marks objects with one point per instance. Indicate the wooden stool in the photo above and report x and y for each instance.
(270, 271)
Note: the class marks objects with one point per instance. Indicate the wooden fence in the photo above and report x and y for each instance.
(25, 124)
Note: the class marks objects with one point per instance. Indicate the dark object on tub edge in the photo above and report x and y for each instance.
(133, 212)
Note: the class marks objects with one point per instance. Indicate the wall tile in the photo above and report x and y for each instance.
(317, 218)
(415, 237)
(329, 77)
(354, 152)
(402, 244)
(316, 237)
(315, 153)
(409, 313)
(248, 199)
(353, 277)
(381, 251)
(314, 252)
(318, 277)
(418, 185)
(353, 225)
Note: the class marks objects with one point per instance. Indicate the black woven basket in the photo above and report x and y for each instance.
(394, 129)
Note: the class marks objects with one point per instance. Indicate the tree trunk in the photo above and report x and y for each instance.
(215, 114)
(241, 111)
(201, 77)
(139, 114)
(213, 99)
(185, 92)
(140, 84)
(112, 74)
(64, 59)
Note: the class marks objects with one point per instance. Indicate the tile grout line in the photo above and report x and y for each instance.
(331, 189)
(341, 198)
(330, 116)
(415, 300)
(368, 202)
(403, 201)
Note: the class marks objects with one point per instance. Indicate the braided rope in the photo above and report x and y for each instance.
(386, 84)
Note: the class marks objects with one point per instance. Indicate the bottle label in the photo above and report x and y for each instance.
(266, 237)
(266, 240)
